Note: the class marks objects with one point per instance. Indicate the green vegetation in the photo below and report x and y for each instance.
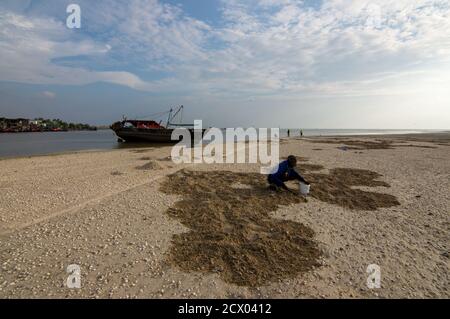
(40, 125)
(59, 124)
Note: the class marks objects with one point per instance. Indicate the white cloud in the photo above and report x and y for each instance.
(48, 94)
(265, 47)
(28, 46)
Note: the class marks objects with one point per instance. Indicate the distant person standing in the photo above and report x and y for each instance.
(289, 133)
(301, 133)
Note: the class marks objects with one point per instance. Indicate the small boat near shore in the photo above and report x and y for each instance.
(150, 131)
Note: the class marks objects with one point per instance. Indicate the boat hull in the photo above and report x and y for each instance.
(146, 135)
(136, 135)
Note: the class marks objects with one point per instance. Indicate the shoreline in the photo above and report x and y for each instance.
(418, 136)
(49, 131)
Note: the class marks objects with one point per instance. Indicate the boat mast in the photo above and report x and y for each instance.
(169, 118)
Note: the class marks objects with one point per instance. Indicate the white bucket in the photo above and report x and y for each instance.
(304, 189)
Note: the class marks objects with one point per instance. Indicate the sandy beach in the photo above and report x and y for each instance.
(140, 226)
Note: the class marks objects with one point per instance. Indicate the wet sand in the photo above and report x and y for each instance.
(140, 226)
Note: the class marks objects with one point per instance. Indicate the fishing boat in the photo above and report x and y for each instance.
(150, 131)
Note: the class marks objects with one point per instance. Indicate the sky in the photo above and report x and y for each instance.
(265, 63)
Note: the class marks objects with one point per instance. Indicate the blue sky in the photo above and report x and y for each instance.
(290, 63)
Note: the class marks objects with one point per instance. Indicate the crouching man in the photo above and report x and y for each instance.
(283, 173)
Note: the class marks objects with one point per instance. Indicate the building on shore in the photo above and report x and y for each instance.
(14, 125)
(39, 125)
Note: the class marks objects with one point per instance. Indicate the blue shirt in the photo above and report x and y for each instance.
(283, 170)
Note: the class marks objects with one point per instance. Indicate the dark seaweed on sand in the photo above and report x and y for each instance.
(231, 230)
